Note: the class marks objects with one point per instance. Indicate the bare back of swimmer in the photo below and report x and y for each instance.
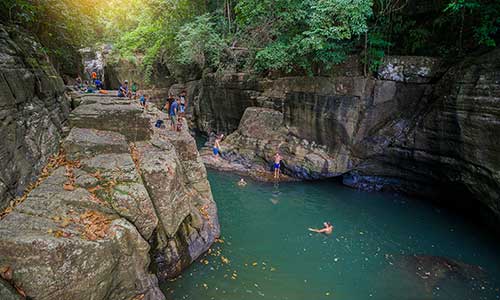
(327, 229)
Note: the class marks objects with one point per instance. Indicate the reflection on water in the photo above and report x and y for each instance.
(383, 247)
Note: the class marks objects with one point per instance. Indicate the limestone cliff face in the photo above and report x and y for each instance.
(33, 109)
(451, 143)
(128, 198)
(415, 128)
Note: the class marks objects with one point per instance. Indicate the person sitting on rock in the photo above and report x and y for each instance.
(327, 229)
(142, 100)
(242, 182)
(277, 165)
(122, 91)
(98, 84)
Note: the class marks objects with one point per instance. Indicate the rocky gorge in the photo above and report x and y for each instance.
(116, 206)
(421, 127)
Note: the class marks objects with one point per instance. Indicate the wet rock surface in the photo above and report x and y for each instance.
(91, 227)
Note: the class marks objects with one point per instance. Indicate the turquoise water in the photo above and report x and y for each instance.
(273, 256)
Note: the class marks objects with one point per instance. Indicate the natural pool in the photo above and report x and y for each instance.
(369, 256)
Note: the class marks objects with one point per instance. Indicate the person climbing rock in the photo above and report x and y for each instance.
(173, 113)
(327, 229)
(277, 165)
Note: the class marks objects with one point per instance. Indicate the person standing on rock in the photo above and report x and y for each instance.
(183, 104)
(216, 148)
(134, 89)
(174, 108)
(277, 165)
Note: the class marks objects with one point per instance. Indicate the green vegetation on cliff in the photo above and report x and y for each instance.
(303, 36)
(62, 26)
(285, 36)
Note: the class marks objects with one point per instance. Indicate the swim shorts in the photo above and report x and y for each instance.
(216, 151)
(276, 166)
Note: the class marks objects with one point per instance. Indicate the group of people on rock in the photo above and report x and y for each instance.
(89, 87)
(125, 91)
(176, 109)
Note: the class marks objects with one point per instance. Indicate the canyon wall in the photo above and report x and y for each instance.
(417, 127)
(103, 203)
(122, 200)
(33, 109)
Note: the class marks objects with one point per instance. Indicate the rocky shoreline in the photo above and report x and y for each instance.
(121, 199)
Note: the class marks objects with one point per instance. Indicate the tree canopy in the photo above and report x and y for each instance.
(288, 36)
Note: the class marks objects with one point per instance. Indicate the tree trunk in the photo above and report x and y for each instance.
(365, 71)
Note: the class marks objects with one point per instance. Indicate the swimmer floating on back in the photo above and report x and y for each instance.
(328, 229)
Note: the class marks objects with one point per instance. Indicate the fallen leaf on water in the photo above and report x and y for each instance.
(224, 260)
(254, 264)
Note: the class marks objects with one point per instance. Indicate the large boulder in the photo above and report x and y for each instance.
(176, 179)
(113, 114)
(44, 241)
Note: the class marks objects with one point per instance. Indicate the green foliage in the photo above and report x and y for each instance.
(299, 34)
(289, 36)
(200, 43)
(63, 26)
(376, 50)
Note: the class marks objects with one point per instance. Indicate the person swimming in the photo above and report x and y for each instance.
(277, 165)
(242, 182)
(327, 229)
